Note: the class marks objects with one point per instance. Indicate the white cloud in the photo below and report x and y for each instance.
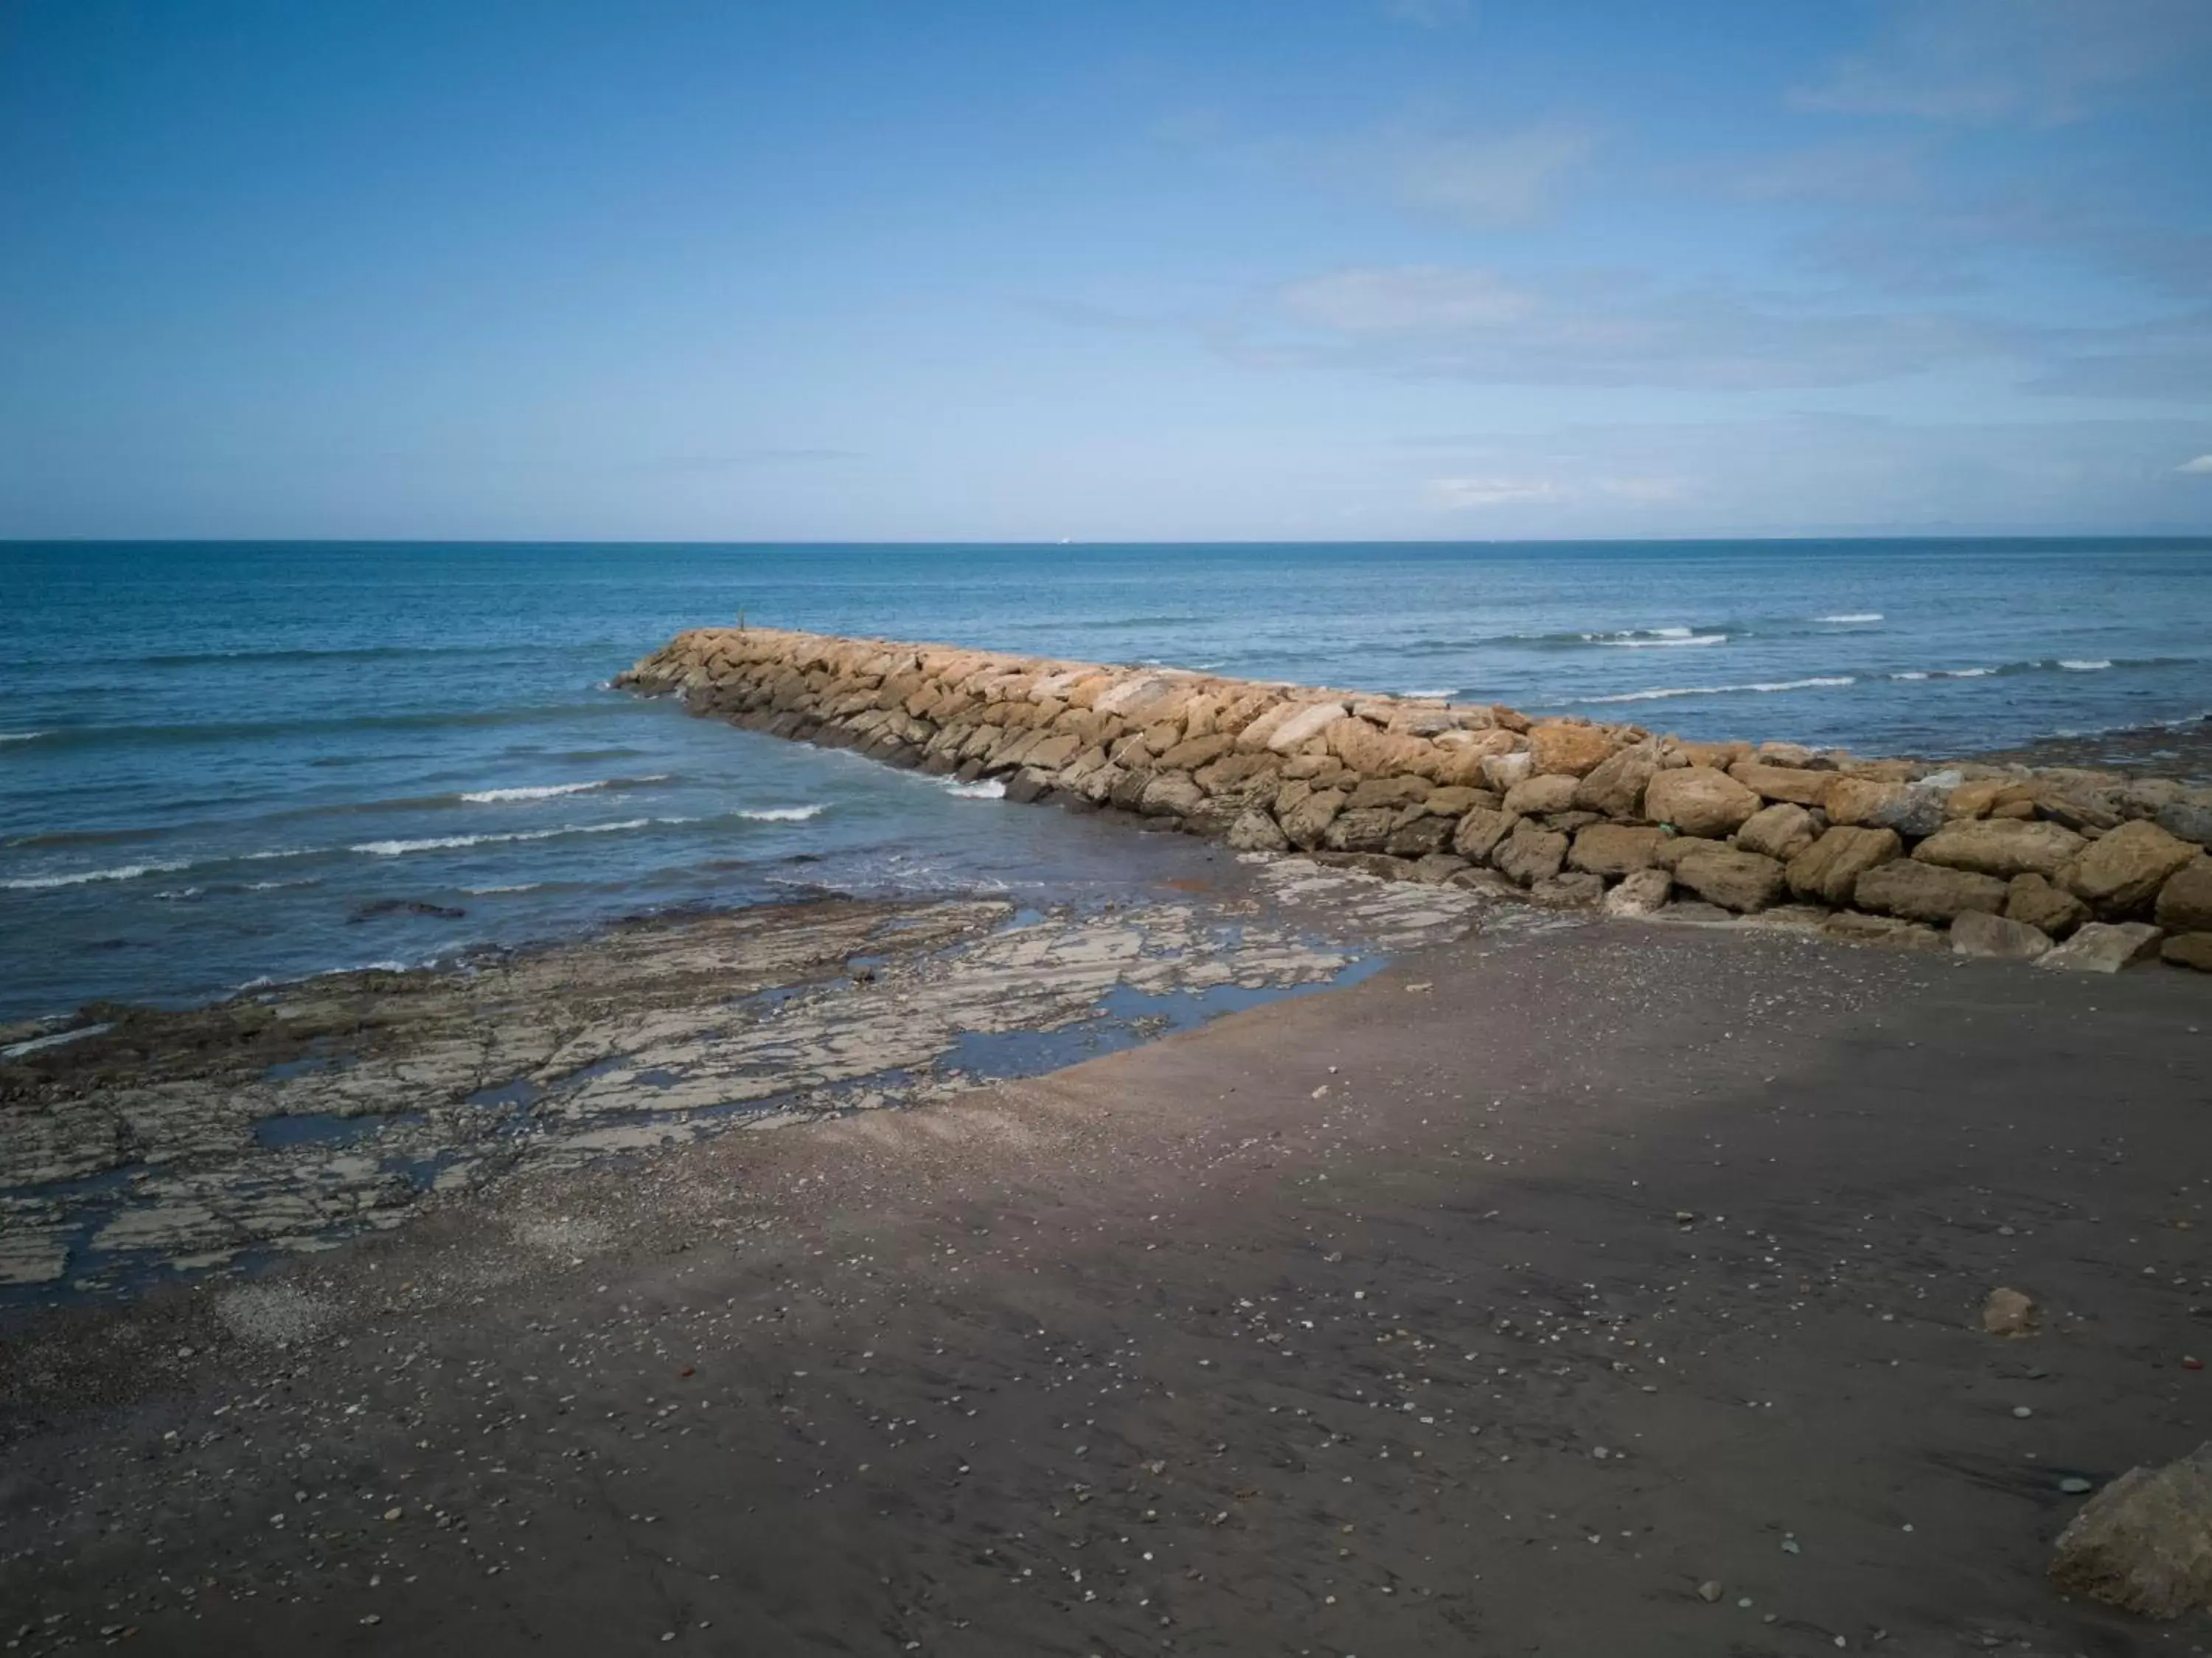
(1983, 61)
(2200, 467)
(1422, 299)
(1459, 494)
(1492, 179)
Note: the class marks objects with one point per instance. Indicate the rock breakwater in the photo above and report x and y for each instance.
(2093, 869)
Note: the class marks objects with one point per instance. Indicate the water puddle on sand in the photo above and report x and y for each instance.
(651, 1037)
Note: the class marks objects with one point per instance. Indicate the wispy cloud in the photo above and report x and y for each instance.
(1463, 494)
(1986, 61)
(2200, 468)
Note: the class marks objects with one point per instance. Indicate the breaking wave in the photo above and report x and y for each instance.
(1758, 687)
(783, 813)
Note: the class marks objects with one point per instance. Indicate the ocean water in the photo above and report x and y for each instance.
(220, 764)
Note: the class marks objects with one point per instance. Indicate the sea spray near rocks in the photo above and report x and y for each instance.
(1426, 789)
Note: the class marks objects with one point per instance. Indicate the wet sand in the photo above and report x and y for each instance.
(1301, 1334)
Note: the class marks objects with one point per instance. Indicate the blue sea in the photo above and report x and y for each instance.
(226, 764)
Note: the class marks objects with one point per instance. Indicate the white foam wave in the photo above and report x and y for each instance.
(519, 886)
(1658, 638)
(279, 886)
(20, 736)
(1853, 616)
(2084, 667)
(1758, 687)
(1432, 695)
(553, 790)
(392, 849)
(784, 813)
(988, 789)
(16, 1050)
(122, 872)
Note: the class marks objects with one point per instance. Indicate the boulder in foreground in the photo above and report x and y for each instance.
(2144, 1543)
(2104, 946)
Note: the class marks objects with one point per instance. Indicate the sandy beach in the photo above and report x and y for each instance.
(1501, 1303)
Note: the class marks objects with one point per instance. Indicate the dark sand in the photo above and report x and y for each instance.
(1302, 1333)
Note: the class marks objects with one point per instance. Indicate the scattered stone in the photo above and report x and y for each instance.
(1978, 933)
(2105, 947)
(2011, 1313)
(1709, 1591)
(2144, 1543)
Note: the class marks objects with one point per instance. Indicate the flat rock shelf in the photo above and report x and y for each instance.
(2066, 867)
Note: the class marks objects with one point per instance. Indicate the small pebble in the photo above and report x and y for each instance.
(2022, 1411)
(2073, 1485)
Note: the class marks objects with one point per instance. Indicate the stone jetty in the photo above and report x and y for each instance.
(2068, 868)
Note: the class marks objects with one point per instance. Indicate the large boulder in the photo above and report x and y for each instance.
(1296, 727)
(2188, 950)
(1783, 783)
(2188, 821)
(1562, 746)
(1926, 892)
(1615, 788)
(1780, 830)
(1742, 881)
(1828, 870)
(1360, 829)
(1978, 933)
(2034, 901)
(2144, 1543)
(1643, 893)
(1614, 849)
(1855, 800)
(2121, 873)
(1255, 831)
(2185, 903)
(1548, 791)
(1699, 800)
(1479, 832)
(1913, 811)
(1306, 822)
(2105, 947)
(2003, 847)
(1418, 836)
(1531, 853)
(1171, 795)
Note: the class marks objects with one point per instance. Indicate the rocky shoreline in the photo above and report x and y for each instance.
(2066, 866)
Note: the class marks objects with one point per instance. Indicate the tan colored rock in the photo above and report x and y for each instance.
(2144, 1543)
(1783, 783)
(1976, 932)
(1855, 800)
(2185, 903)
(1552, 791)
(1502, 771)
(1614, 849)
(1564, 747)
(1456, 801)
(1780, 831)
(2120, 873)
(1306, 822)
(1699, 800)
(1417, 835)
(1531, 853)
(1643, 893)
(1387, 791)
(2003, 847)
(2103, 947)
(1479, 832)
(1742, 882)
(1851, 927)
(1717, 756)
(1195, 751)
(2188, 950)
(1374, 753)
(2010, 1314)
(2034, 901)
(1926, 892)
(1614, 787)
(1828, 870)
(1973, 800)
(1671, 850)
(1295, 728)
(1570, 889)
(1359, 829)
(1255, 831)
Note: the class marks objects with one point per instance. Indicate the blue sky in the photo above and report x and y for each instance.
(1312, 269)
